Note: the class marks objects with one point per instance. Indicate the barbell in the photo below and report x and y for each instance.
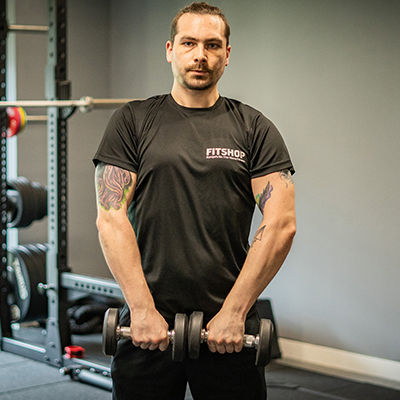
(85, 104)
(17, 117)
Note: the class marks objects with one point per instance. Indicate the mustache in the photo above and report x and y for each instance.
(198, 67)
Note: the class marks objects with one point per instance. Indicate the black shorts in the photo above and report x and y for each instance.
(152, 375)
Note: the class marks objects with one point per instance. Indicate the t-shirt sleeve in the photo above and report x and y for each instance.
(119, 144)
(268, 151)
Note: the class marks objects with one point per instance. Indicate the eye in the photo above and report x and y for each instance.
(213, 46)
(188, 44)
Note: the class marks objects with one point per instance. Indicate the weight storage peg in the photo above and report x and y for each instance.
(262, 342)
(112, 332)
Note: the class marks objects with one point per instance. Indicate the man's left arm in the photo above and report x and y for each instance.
(275, 196)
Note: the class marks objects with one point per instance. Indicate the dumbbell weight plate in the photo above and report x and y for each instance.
(263, 355)
(179, 345)
(111, 321)
(194, 334)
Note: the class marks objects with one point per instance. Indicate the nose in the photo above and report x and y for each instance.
(200, 55)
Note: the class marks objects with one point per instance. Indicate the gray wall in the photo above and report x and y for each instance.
(326, 72)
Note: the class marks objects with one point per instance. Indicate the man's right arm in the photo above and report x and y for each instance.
(115, 188)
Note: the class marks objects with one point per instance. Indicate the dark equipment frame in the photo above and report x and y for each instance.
(61, 284)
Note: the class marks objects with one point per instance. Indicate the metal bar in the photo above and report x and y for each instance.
(82, 374)
(85, 104)
(5, 315)
(28, 28)
(57, 327)
(24, 349)
(95, 366)
(89, 284)
(36, 118)
(42, 103)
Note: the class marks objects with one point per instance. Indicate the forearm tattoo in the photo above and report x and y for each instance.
(286, 177)
(258, 236)
(112, 184)
(262, 198)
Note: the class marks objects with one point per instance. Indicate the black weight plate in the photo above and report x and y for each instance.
(38, 265)
(263, 355)
(111, 321)
(12, 206)
(39, 201)
(194, 334)
(37, 274)
(43, 248)
(179, 345)
(26, 206)
(22, 292)
(40, 258)
(30, 203)
(15, 196)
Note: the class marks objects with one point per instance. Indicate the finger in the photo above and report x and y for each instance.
(238, 347)
(221, 348)
(164, 345)
(136, 344)
(145, 346)
(212, 347)
(230, 348)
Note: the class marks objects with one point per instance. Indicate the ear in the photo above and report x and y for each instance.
(228, 52)
(169, 51)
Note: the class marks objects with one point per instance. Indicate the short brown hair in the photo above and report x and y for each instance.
(201, 8)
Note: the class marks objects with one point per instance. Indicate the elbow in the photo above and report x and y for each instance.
(100, 223)
(109, 224)
(103, 224)
(290, 229)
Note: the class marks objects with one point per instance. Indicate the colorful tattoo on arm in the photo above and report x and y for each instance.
(112, 184)
(286, 177)
(258, 236)
(262, 198)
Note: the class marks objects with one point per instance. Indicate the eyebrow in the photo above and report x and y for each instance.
(184, 38)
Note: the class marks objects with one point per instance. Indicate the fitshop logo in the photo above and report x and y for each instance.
(229, 154)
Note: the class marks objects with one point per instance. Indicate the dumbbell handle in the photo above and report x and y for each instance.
(124, 332)
(248, 340)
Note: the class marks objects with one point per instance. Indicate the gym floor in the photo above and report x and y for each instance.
(22, 379)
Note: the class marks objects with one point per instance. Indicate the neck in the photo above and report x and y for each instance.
(194, 98)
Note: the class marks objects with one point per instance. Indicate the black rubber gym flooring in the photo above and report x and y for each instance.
(25, 379)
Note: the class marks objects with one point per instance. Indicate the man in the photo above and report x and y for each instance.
(185, 170)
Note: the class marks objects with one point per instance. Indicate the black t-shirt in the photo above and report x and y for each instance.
(193, 203)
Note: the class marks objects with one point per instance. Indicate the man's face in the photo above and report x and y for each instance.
(200, 53)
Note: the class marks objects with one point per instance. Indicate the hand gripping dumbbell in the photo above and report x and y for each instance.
(112, 332)
(261, 342)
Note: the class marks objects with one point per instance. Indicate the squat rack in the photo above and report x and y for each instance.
(61, 284)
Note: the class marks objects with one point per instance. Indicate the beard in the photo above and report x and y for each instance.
(199, 82)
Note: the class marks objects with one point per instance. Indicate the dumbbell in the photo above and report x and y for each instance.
(112, 332)
(261, 342)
